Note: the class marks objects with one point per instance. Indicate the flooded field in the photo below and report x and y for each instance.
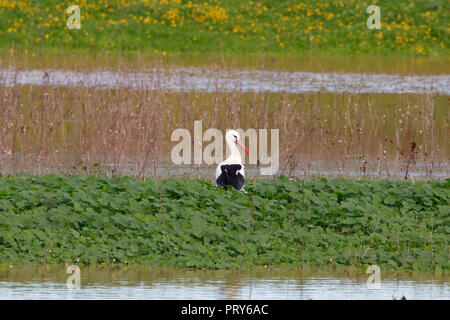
(272, 284)
(361, 117)
(204, 80)
(52, 129)
(112, 122)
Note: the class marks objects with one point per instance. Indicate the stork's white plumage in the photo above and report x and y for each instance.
(230, 172)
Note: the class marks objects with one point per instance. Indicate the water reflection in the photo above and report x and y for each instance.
(260, 283)
(205, 80)
(164, 169)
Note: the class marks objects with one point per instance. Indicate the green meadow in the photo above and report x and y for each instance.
(338, 27)
(96, 220)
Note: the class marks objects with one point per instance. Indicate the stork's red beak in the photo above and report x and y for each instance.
(240, 144)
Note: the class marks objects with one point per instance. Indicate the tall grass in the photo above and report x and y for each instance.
(45, 129)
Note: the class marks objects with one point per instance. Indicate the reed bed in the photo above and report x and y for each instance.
(129, 61)
(122, 130)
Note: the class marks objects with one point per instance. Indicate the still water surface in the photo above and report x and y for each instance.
(203, 80)
(163, 283)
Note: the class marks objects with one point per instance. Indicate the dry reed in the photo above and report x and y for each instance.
(122, 130)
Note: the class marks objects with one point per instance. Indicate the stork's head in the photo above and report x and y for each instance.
(234, 137)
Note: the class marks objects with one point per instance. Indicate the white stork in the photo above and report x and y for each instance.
(230, 172)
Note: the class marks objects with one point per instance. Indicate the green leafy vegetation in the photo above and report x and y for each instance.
(415, 28)
(53, 219)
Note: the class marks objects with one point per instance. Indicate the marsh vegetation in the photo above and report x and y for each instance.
(50, 219)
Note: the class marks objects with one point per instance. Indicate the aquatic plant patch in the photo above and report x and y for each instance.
(53, 219)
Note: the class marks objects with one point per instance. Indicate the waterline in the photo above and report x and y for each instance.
(150, 283)
(194, 79)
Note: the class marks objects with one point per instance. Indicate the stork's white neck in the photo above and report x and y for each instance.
(235, 156)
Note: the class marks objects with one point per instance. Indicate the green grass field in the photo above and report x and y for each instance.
(92, 220)
(414, 28)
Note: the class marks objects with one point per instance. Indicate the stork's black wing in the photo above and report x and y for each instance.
(230, 176)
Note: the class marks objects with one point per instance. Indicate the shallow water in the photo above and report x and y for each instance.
(203, 80)
(261, 283)
(392, 170)
(387, 122)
